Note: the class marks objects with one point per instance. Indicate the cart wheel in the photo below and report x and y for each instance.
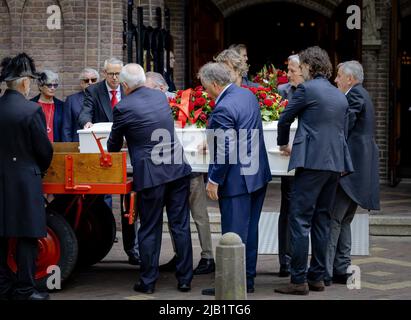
(58, 248)
(95, 233)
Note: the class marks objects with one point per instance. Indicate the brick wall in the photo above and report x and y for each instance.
(91, 32)
(376, 69)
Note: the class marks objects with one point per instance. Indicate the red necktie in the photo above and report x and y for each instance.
(114, 100)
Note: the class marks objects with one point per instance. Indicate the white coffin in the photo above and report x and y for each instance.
(191, 137)
(87, 142)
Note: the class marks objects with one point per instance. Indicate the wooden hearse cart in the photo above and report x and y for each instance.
(81, 228)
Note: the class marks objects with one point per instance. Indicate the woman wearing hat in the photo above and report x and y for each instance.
(52, 107)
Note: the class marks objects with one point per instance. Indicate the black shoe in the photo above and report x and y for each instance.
(208, 292)
(36, 296)
(341, 278)
(328, 282)
(169, 266)
(143, 288)
(205, 266)
(184, 287)
(134, 260)
(284, 271)
(250, 290)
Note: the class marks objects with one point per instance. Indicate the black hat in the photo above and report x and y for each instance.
(18, 67)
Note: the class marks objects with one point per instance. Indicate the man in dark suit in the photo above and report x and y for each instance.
(363, 186)
(161, 176)
(319, 155)
(99, 101)
(26, 153)
(74, 104)
(287, 182)
(239, 172)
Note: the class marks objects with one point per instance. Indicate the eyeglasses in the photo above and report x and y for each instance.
(51, 85)
(93, 80)
(112, 74)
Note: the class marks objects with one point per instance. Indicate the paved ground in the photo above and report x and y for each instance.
(385, 274)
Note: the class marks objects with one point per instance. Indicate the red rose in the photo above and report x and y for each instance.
(263, 95)
(179, 93)
(253, 90)
(284, 103)
(198, 94)
(212, 104)
(268, 102)
(203, 117)
(199, 88)
(200, 101)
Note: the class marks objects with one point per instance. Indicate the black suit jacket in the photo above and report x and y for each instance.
(320, 142)
(25, 152)
(97, 105)
(58, 118)
(363, 186)
(144, 118)
(72, 109)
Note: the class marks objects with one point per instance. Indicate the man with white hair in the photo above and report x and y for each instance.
(101, 98)
(99, 101)
(360, 188)
(286, 91)
(161, 176)
(74, 104)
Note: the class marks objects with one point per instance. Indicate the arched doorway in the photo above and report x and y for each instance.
(273, 31)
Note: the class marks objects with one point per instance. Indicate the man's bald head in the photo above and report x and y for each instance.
(132, 76)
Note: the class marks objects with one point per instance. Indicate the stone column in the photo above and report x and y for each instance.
(230, 283)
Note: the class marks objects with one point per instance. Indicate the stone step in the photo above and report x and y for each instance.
(379, 225)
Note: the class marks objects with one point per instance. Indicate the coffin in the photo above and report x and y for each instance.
(191, 137)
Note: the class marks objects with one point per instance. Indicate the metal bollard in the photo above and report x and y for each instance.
(230, 279)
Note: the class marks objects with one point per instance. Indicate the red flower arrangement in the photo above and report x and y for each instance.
(192, 106)
(195, 106)
(271, 103)
(270, 77)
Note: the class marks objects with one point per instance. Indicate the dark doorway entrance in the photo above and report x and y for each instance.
(405, 98)
(274, 31)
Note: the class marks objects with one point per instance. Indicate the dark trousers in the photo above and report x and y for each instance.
(150, 205)
(129, 232)
(241, 214)
(339, 243)
(22, 283)
(311, 204)
(284, 255)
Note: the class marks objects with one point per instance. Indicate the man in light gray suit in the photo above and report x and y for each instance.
(362, 187)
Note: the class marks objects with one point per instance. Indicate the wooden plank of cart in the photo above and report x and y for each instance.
(81, 228)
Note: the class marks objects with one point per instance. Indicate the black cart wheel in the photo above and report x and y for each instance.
(96, 232)
(58, 248)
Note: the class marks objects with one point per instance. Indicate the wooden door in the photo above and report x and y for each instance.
(206, 35)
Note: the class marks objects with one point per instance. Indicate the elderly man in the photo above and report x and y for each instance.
(99, 101)
(161, 176)
(155, 80)
(26, 153)
(362, 188)
(74, 104)
(197, 201)
(319, 155)
(235, 130)
(287, 182)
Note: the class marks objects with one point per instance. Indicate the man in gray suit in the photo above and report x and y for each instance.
(319, 155)
(362, 187)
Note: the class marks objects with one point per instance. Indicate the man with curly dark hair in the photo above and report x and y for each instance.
(319, 156)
